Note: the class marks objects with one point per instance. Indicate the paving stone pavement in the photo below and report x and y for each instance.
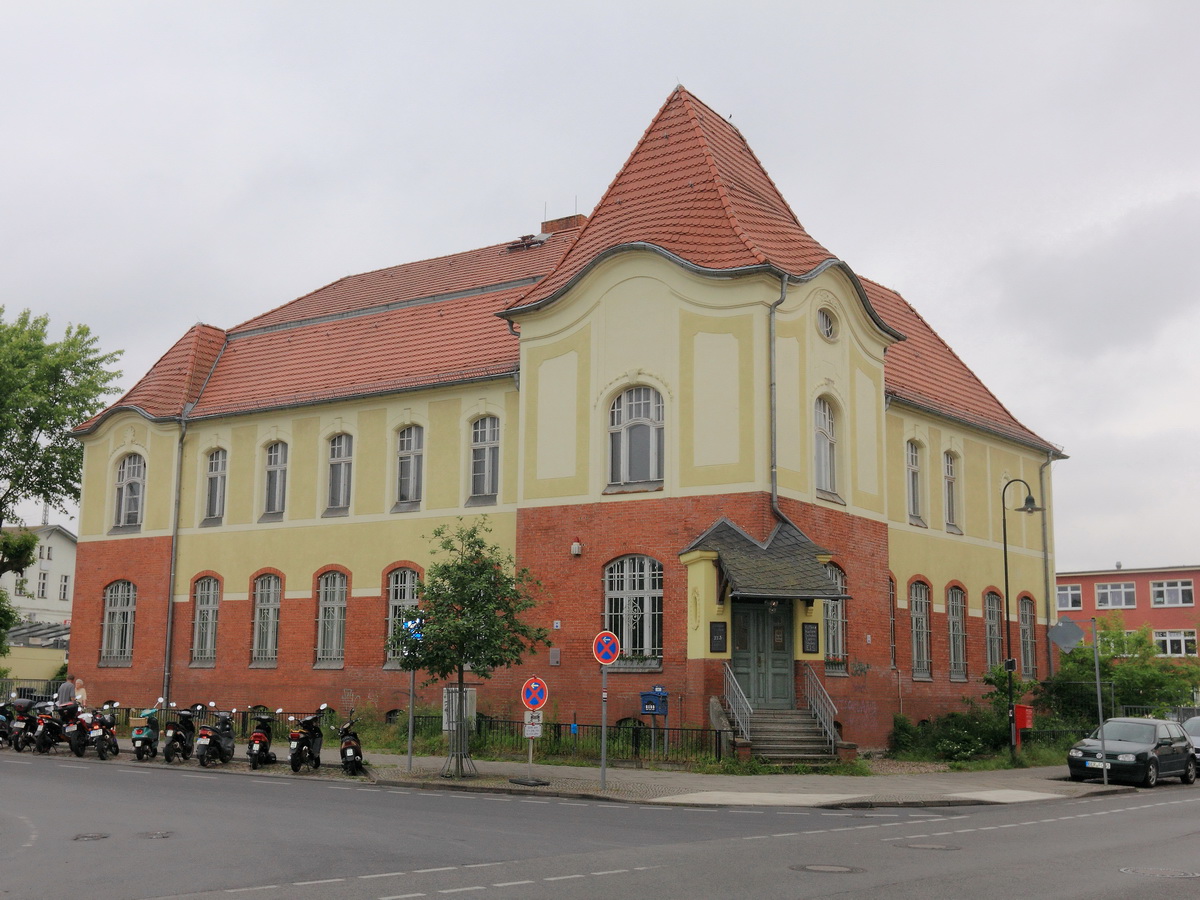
(687, 788)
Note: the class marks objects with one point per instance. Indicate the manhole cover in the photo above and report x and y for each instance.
(931, 847)
(94, 836)
(832, 870)
(1161, 873)
(156, 835)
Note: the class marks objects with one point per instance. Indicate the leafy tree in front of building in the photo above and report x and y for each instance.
(46, 388)
(470, 612)
(16, 554)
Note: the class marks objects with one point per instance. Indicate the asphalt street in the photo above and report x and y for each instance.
(122, 829)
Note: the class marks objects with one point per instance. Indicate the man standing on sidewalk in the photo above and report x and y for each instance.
(66, 691)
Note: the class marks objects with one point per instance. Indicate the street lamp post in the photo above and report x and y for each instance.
(1010, 661)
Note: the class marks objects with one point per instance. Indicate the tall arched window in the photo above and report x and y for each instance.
(402, 598)
(485, 459)
(1027, 617)
(918, 610)
(277, 461)
(341, 462)
(825, 453)
(835, 623)
(131, 489)
(892, 618)
(635, 437)
(912, 466)
(633, 606)
(206, 595)
(268, 591)
(116, 640)
(331, 619)
(956, 619)
(993, 615)
(214, 493)
(410, 459)
(950, 467)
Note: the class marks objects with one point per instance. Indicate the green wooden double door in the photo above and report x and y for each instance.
(762, 653)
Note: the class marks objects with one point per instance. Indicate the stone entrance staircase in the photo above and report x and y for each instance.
(788, 736)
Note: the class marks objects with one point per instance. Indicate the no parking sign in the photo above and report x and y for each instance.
(534, 693)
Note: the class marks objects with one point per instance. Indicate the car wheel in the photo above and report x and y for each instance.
(1151, 778)
(1189, 772)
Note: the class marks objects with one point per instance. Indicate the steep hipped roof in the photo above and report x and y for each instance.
(694, 188)
(785, 565)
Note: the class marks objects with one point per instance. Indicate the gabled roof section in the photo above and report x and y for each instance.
(786, 565)
(924, 372)
(174, 381)
(693, 188)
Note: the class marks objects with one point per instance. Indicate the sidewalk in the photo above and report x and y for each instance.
(624, 785)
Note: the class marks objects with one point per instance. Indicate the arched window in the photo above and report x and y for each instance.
(268, 591)
(131, 489)
(214, 494)
(918, 610)
(341, 461)
(1027, 617)
(402, 597)
(956, 619)
(633, 606)
(410, 460)
(485, 459)
(835, 623)
(331, 619)
(635, 437)
(912, 460)
(950, 491)
(992, 617)
(206, 595)
(825, 454)
(276, 480)
(120, 603)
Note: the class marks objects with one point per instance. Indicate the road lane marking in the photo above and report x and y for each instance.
(322, 881)
(563, 877)
(382, 875)
(512, 883)
(401, 896)
(261, 887)
(611, 872)
(477, 887)
(482, 865)
(438, 869)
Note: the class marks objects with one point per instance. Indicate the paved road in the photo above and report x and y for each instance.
(126, 830)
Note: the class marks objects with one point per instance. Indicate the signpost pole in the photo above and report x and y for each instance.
(603, 725)
(1099, 702)
(412, 693)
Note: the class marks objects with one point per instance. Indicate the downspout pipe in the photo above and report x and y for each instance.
(1046, 558)
(166, 685)
(773, 402)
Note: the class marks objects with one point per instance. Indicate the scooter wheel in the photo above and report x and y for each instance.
(139, 753)
(41, 745)
(202, 758)
(296, 762)
(226, 756)
(361, 768)
(315, 761)
(78, 745)
(187, 752)
(102, 749)
(116, 748)
(253, 761)
(348, 767)
(272, 757)
(169, 752)
(153, 750)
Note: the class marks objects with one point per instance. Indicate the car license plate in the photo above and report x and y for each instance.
(349, 751)
(201, 742)
(1096, 764)
(96, 732)
(295, 744)
(137, 743)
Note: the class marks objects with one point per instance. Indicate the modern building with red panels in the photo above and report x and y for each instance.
(1161, 599)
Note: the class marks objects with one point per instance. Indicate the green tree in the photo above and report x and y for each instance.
(16, 554)
(470, 608)
(46, 388)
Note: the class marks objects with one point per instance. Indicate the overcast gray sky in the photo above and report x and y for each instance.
(1026, 174)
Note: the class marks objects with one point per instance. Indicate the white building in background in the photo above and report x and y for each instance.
(45, 591)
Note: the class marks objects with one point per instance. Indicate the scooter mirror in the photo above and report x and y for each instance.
(171, 704)
(115, 704)
(212, 705)
(232, 711)
(278, 711)
(291, 718)
(324, 706)
(160, 700)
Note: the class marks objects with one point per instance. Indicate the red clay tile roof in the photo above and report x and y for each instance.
(693, 187)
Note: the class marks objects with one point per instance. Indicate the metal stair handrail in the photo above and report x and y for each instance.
(739, 705)
(820, 704)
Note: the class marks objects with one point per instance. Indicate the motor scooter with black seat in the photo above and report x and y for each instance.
(305, 739)
(179, 737)
(258, 749)
(350, 751)
(103, 733)
(49, 731)
(74, 728)
(214, 742)
(6, 718)
(24, 722)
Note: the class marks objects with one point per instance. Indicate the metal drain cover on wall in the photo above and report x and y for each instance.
(1160, 873)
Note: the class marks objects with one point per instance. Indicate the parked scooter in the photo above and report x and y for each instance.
(145, 733)
(305, 739)
(215, 741)
(6, 717)
(259, 747)
(49, 730)
(24, 723)
(179, 737)
(103, 735)
(74, 729)
(351, 749)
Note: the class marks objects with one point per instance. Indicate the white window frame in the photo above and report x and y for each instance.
(1176, 641)
(341, 470)
(918, 611)
(214, 485)
(131, 490)
(956, 621)
(836, 655)
(1116, 595)
(1069, 596)
(485, 459)
(268, 596)
(825, 445)
(64, 587)
(275, 498)
(1027, 626)
(1174, 592)
(635, 416)
(950, 468)
(402, 599)
(410, 464)
(993, 625)
(332, 592)
(633, 605)
(206, 595)
(120, 608)
(913, 482)
(43, 581)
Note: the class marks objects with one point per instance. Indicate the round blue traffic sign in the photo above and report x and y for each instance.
(606, 647)
(534, 693)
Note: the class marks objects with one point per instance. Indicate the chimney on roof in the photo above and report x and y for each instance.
(564, 224)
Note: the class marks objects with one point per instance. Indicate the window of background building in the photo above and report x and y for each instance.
(1171, 593)
(826, 447)
(1027, 619)
(1070, 596)
(835, 624)
(131, 485)
(120, 603)
(267, 595)
(956, 618)
(633, 606)
(1177, 642)
(912, 456)
(64, 587)
(43, 577)
(331, 619)
(402, 598)
(1118, 595)
(635, 437)
(485, 459)
(341, 462)
(410, 454)
(918, 610)
(214, 495)
(993, 617)
(950, 489)
(277, 460)
(207, 596)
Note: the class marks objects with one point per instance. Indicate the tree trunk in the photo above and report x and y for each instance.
(460, 727)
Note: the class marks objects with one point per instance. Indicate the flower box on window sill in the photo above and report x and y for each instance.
(836, 665)
(637, 664)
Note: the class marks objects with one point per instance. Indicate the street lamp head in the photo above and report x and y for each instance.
(1029, 506)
